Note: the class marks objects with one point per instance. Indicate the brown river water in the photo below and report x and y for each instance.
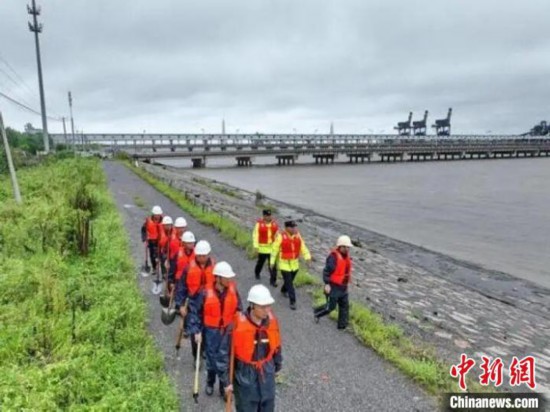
(495, 213)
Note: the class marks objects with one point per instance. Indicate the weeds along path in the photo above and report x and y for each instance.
(73, 330)
(322, 368)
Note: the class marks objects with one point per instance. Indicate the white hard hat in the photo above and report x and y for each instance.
(224, 270)
(156, 210)
(180, 222)
(202, 248)
(167, 220)
(344, 241)
(260, 295)
(188, 237)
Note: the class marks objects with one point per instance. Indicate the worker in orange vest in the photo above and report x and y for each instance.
(150, 232)
(286, 251)
(165, 233)
(263, 237)
(211, 313)
(257, 353)
(180, 226)
(337, 276)
(186, 253)
(195, 277)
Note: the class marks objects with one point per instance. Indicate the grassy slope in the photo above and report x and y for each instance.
(72, 329)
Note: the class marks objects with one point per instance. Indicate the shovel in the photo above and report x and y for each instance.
(231, 373)
(157, 287)
(197, 366)
(180, 334)
(145, 268)
(168, 314)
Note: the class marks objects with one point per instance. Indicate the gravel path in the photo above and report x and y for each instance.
(322, 370)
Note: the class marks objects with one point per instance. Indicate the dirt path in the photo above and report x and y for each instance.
(323, 369)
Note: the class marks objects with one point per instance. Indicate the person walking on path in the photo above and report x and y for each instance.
(185, 254)
(180, 226)
(286, 251)
(336, 276)
(263, 237)
(256, 354)
(211, 314)
(150, 232)
(165, 233)
(196, 276)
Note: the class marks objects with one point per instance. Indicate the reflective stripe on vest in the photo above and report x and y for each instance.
(198, 278)
(220, 314)
(342, 272)
(244, 339)
(264, 230)
(290, 246)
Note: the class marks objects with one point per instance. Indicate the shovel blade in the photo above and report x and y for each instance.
(157, 288)
(168, 316)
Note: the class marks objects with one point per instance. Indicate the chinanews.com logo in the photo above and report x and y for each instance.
(519, 372)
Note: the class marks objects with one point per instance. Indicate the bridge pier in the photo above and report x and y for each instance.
(324, 158)
(356, 156)
(244, 161)
(198, 162)
(286, 159)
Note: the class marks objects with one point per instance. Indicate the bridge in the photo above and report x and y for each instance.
(286, 148)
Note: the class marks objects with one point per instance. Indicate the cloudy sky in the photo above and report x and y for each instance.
(279, 65)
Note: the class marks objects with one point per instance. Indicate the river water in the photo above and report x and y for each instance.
(495, 213)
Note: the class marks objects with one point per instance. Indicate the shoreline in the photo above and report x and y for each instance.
(432, 296)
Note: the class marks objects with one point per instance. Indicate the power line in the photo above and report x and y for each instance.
(15, 83)
(24, 106)
(23, 83)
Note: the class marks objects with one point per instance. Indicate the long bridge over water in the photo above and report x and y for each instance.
(286, 148)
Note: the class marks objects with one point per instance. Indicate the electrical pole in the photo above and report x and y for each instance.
(72, 120)
(37, 28)
(14, 183)
(64, 130)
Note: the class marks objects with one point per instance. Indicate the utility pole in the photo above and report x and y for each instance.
(64, 130)
(72, 121)
(14, 183)
(37, 28)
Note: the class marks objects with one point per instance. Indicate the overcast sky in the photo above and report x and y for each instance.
(278, 65)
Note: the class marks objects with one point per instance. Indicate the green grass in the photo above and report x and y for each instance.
(138, 201)
(217, 187)
(72, 328)
(415, 359)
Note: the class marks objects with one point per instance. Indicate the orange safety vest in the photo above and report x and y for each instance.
(174, 244)
(163, 239)
(198, 277)
(263, 231)
(183, 261)
(152, 228)
(244, 339)
(218, 314)
(290, 246)
(342, 273)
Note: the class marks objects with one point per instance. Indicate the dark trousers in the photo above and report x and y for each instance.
(288, 285)
(153, 252)
(246, 405)
(262, 258)
(338, 296)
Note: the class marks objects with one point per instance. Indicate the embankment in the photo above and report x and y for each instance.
(450, 305)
